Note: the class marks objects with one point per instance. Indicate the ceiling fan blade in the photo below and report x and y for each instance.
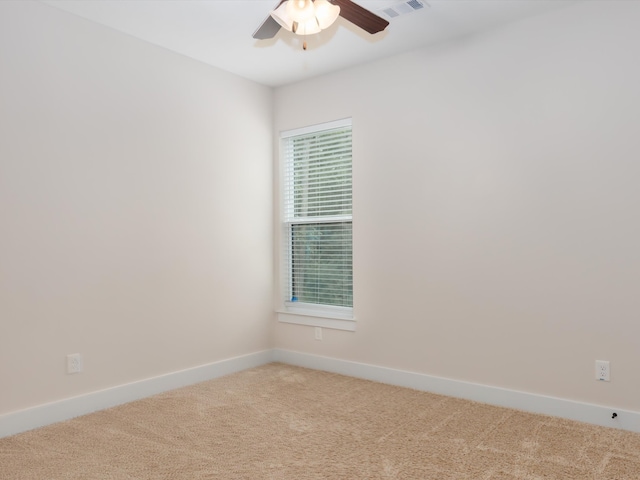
(269, 27)
(361, 17)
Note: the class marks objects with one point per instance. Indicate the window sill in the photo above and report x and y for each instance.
(315, 318)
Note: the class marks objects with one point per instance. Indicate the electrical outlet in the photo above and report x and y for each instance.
(603, 373)
(74, 363)
(318, 333)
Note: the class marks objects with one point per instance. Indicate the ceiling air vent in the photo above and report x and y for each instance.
(403, 8)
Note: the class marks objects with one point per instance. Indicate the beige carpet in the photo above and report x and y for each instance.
(283, 422)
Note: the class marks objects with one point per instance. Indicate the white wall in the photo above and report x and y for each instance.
(136, 221)
(496, 232)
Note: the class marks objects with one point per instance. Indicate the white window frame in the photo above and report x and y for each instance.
(319, 315)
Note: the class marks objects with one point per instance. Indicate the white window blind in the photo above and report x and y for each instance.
(318, 215)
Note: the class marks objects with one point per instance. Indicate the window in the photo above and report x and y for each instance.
(317, 229)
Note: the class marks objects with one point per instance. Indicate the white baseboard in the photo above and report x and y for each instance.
(28, 419)
(529, 402)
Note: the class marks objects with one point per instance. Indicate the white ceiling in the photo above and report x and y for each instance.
(219, 32)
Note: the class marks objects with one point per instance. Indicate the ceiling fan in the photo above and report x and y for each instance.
(306, 17)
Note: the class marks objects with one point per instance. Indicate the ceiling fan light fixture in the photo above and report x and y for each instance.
(305, 17)
(310, 27)
(300, 11)
(326, 13)
(281, 16)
